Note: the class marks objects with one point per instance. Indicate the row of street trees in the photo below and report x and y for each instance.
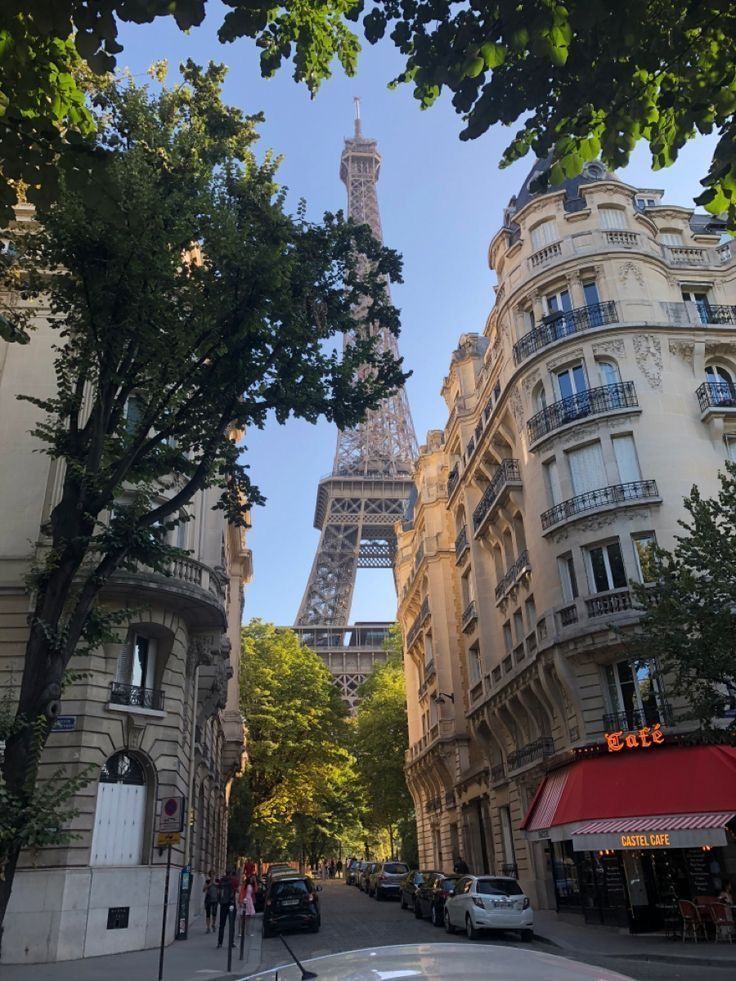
(316, 781)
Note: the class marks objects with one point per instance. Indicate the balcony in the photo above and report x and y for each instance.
(461, 544)
(470, 615)
(563, 324)
(508, 473)
(688, 313)
(591, 402)
(133, 696)
(452, 479)
(634, 718)
(716, 395)
(538, 750)
(603, 497)
(542, 256)
(606, 604)
(418, 623)
(450, 798)
(498, 775)
(514, 573)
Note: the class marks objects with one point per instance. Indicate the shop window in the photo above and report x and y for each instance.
(612, 217)
(606, 567)
(626, 459)
(587, 470)
(645, 544)
(568, 579)
(635, 693)
(544, 234)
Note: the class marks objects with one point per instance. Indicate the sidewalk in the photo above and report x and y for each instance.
(572, 936)
(195, 959)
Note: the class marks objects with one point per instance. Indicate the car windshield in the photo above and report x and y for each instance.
(290, 888)
(395, 868)
(498, 887)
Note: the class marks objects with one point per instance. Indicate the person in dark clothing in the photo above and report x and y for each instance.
(227, 890)
(460, 867)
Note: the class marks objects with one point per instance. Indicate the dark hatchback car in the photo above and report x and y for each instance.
(429, 900)
(291, 902)
(409, 885)
(352, 866)
(364, 876)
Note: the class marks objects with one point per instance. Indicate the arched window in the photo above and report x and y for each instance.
(539, 398)
(720, 383)
(609, 373)
(544, 234)
(120, 814)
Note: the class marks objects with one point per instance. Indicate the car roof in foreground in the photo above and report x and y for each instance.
(467, 961)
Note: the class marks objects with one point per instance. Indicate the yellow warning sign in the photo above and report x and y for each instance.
(168, 838)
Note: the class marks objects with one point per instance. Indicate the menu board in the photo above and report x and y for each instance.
(701, 881)
(613, 881)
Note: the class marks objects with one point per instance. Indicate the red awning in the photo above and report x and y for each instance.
(662, 822)
(663, 781)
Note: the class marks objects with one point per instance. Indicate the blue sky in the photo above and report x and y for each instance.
(441, 202)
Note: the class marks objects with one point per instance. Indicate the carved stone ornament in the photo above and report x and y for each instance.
(630, 269)
(614, 347)
(578, 433)
(435, 440)
(722, 347)
(134, 727)
(531, 380)
(648, 352)
(564, 358)
(517, 408)
(683, 350)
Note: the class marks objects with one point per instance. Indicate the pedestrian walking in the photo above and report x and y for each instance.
(460, 867)
(338, 868)
(227, 887)
(210, 901)
(332, 868)
(249, 904)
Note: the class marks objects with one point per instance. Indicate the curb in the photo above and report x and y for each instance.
(685, 960)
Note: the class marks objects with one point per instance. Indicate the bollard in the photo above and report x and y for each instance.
(230, 937)
(243, 922)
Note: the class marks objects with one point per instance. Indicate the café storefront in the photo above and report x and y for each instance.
(629, 833)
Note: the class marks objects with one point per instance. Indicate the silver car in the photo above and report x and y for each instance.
(385, 879)
(489, 902)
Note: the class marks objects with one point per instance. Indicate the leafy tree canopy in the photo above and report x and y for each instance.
(588, 78)
(689, 621)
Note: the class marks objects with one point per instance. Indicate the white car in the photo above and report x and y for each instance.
(489, 902)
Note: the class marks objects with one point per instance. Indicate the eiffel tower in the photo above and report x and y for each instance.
(367, 491)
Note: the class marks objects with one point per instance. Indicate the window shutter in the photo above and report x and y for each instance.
(587, 469)
(628, 464)
(612, 218)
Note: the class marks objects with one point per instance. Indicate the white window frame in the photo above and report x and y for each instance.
(649, 536)
(568, 582)
(603, 546)
(544, 233)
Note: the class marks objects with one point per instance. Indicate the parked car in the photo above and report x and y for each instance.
(291, 901)
(351, 870)
(385, 879)
(364, 877)
(489, 902)
(408, 887)
(431, 895)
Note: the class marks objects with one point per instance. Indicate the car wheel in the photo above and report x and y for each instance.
(527, 936)
(470, 931)
(418, 911)
(449, 928)
(436, 917)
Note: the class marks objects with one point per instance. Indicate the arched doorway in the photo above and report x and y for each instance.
(120, 815)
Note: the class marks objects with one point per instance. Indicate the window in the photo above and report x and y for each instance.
(644, 545)
(702, 304)
(646, 202)
(730, 447)
(544, 234)
(587, 470)
(518, 626)
(474, 664)
(508, 641)
(498, 887)
(612, 217)
(558, 302)
(531, 613)
(571, 381)
(568, 579)
(552, 482)
(720, 383)
(428, 648)
(137, 663)
(606, 567)
(590, 291)
(671, 237)
(608, 373)
(133, 413)
(626, 459)
(635, 692)
(539, 398)
(497, 391)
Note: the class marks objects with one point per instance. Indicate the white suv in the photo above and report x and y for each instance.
(489, 902)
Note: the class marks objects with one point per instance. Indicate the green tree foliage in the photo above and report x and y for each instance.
(297, 789)
(587, 77)
(380, 740)
(689, 623)
(188, 305)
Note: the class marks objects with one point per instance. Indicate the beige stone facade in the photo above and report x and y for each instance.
(156, 714)
(600, 391)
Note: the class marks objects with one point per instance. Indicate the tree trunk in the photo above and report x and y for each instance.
(6, 885)
(391, 840)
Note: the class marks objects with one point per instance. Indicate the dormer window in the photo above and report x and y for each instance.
(672, 237)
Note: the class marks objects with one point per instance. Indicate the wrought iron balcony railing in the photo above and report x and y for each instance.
(418, 621)
(508, 471)
(634, 718)
(716, 395)
(634, 490)
(136, 697)
(452, 479)
(498, 774)
(512, 575)
(545, 746)
(461, 544)
(593, 401)
(470, 614)
(564, 323)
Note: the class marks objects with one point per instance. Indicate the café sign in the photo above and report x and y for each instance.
(643, 738)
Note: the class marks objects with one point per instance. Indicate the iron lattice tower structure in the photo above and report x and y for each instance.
(368, 489)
